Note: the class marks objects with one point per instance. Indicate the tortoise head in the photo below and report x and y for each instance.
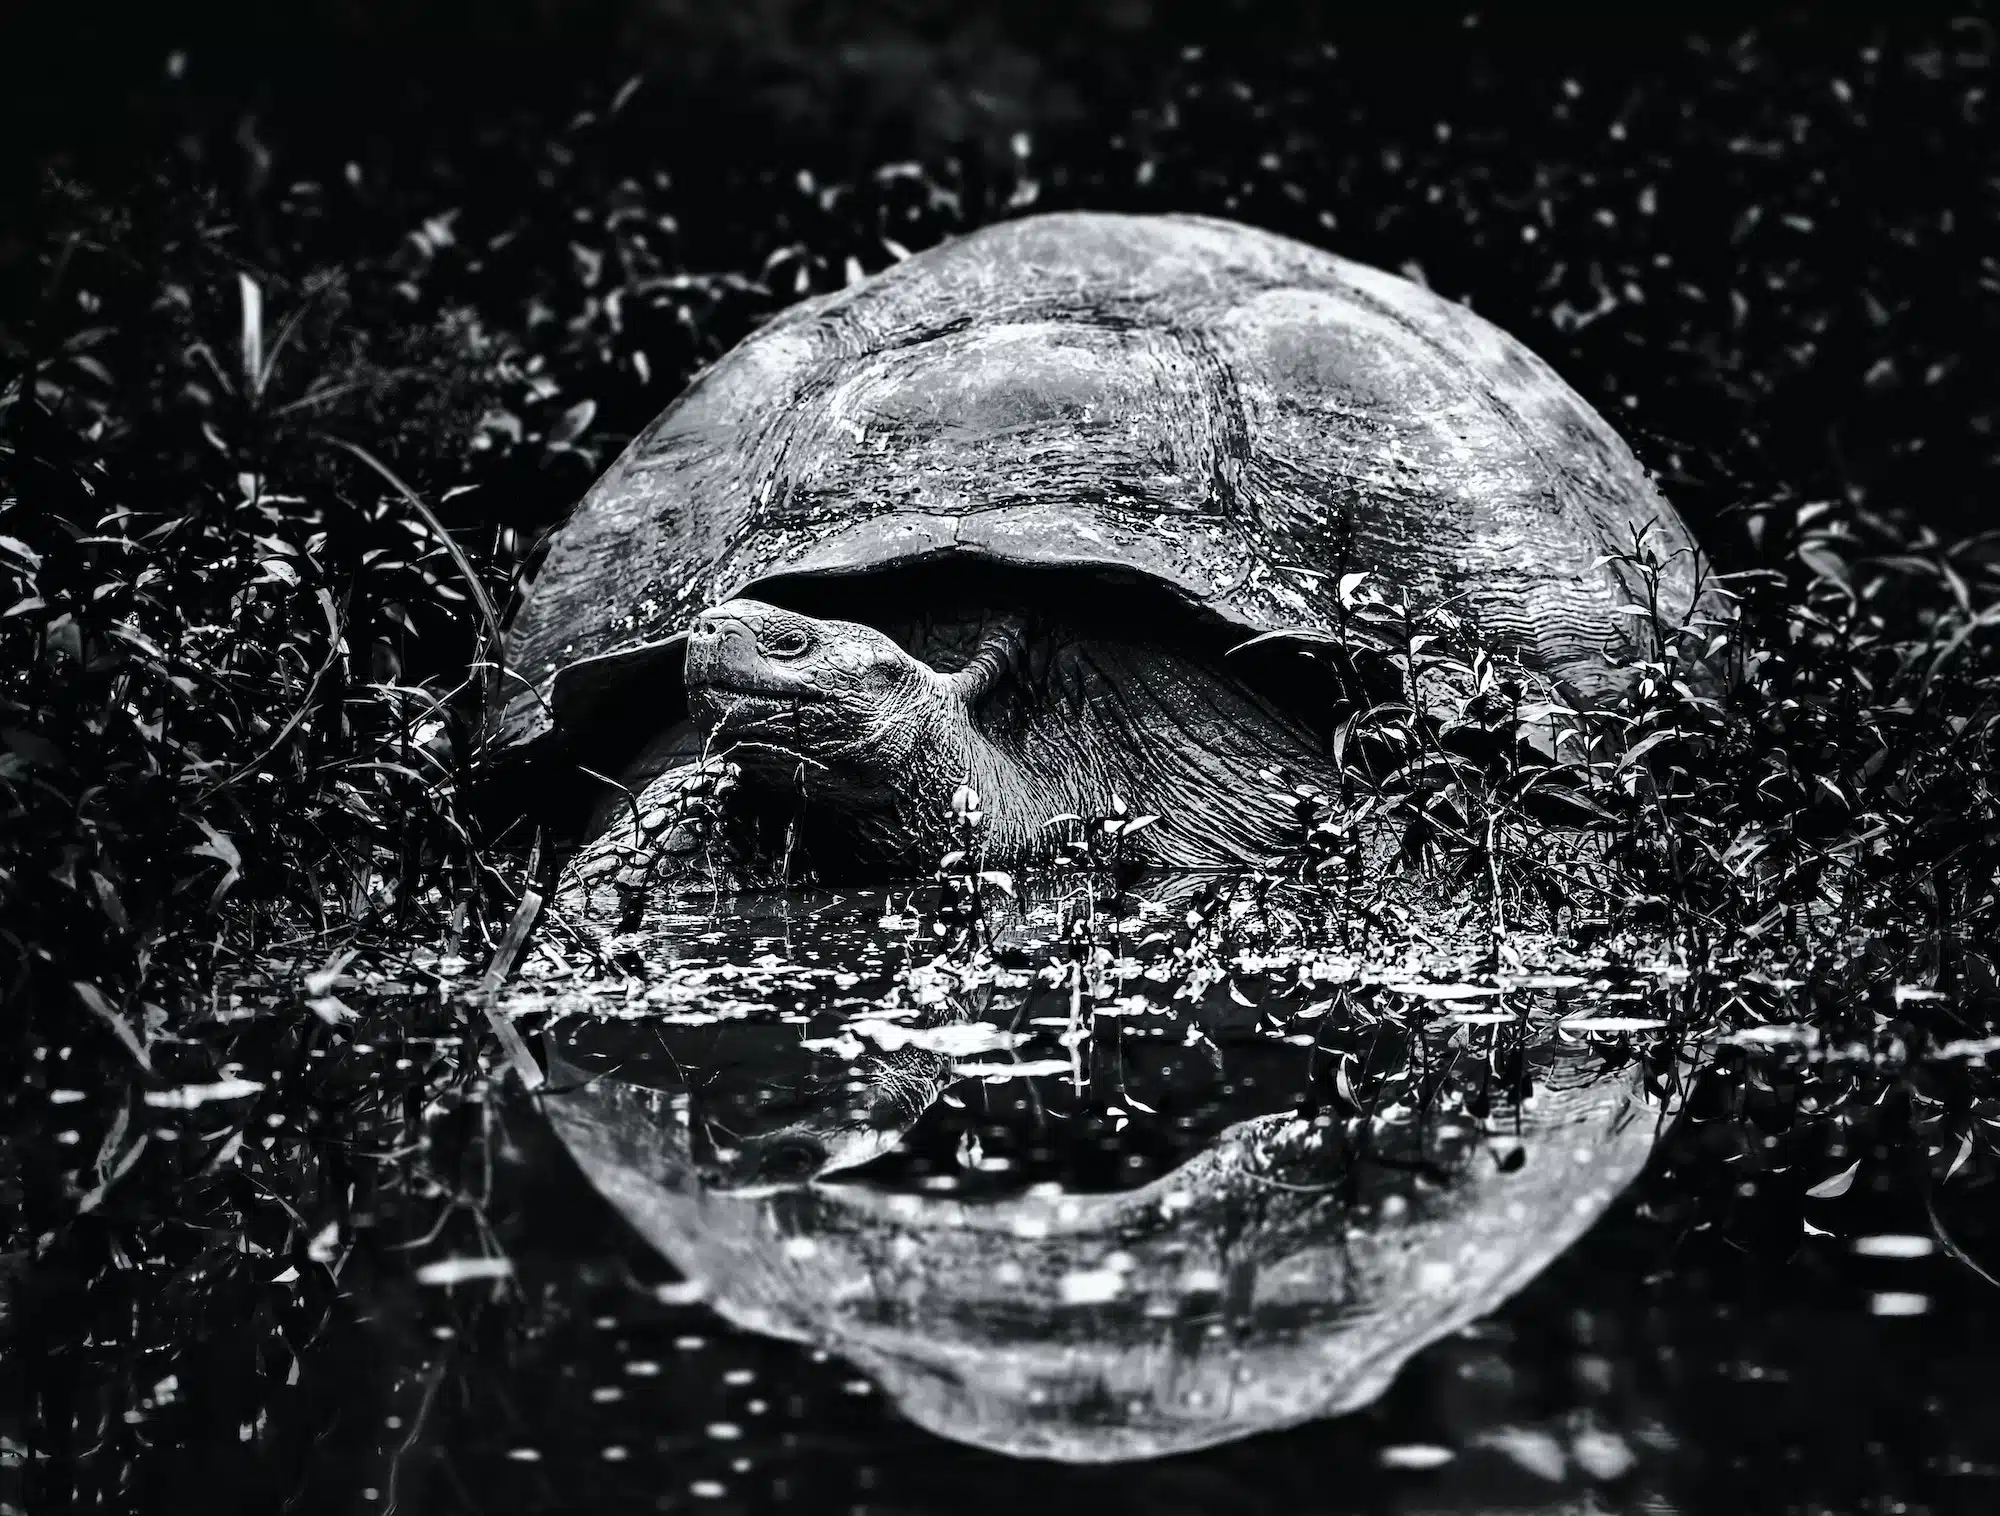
(782, 691)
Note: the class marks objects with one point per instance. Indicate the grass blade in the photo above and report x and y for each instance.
(473, 583)
(253, 336)
(518, 1056)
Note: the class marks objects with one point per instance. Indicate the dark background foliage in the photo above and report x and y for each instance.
(1772, 231)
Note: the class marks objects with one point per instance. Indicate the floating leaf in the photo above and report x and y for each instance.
(1447, 991)
(187, 1097)
(464, 1270)
(1415, 1455)
(995, 1073)
(1894, 1245)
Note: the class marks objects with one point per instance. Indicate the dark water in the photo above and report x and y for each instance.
(811, 1216)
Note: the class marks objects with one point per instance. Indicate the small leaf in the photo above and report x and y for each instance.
(572, 423)
(1344, 1086)
(107, 896)
(1838, 1185)
(1415, 1455)
(94, 1001)
(1825, 564)
(1644, 746)
(1964, 1152)
(219, 847)
(449, 1271)
(332, 1009)
(253, 334)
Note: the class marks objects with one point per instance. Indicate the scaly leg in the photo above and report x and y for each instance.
(675, 833)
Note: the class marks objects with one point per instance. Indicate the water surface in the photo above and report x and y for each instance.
(818, 1210)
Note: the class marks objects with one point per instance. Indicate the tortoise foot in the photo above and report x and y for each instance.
(671, 835)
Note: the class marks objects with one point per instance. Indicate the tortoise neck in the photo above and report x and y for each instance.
(1101, 723)
(1013, 799)
(909, 824)
(1168, 734)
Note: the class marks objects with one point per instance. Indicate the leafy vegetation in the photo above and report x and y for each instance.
(1757, 788)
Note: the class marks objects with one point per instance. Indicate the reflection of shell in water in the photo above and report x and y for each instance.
(839, 1131)
(1229, 1297)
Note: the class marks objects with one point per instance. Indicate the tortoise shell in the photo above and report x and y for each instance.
(1234, 415)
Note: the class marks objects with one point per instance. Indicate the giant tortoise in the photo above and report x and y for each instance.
(988, 524)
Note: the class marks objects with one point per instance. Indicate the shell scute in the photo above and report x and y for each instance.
(1180, 398)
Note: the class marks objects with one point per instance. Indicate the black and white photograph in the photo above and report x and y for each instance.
(961, 757)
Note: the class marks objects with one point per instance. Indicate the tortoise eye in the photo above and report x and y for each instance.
(796, 1159)
(787, 642)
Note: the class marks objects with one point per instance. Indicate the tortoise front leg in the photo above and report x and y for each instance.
(675, 834)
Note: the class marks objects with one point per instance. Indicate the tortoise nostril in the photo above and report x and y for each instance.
(711, 626)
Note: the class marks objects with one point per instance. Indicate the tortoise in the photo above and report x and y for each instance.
(973, 539)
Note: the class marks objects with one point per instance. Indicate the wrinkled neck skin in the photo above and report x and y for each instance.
(1169, 733)
(1097, 722)
(904, 822)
